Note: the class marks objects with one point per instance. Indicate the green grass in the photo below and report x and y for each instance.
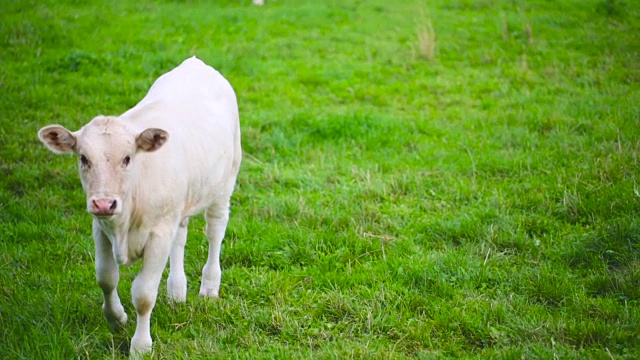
(452, 179)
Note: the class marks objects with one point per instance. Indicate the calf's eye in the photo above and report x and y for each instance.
(84, 161)
(126, 160)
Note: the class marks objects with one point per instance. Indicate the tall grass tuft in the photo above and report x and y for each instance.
(426, 39)
(528, 30)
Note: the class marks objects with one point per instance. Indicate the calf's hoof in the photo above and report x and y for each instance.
(177, 290)
(210, 293)
(117, 319)
(139, 347)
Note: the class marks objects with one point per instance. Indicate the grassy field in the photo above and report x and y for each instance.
(422, 179)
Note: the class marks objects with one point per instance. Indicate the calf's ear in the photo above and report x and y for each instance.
(57, 139)
(151, 139)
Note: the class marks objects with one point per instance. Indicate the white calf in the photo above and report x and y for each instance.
(145, 172)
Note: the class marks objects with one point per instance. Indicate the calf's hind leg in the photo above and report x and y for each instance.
(217, 218)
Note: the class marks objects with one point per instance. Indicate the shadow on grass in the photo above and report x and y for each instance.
(615, 250)
(616, 245)
(118, 344)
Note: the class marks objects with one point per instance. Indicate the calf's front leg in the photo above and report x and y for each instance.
(108, 275)
(144, 289)
(177, 280)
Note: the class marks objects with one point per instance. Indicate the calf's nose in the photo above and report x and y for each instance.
(104, 206)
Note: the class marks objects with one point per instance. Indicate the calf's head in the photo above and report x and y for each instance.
(107, 150)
